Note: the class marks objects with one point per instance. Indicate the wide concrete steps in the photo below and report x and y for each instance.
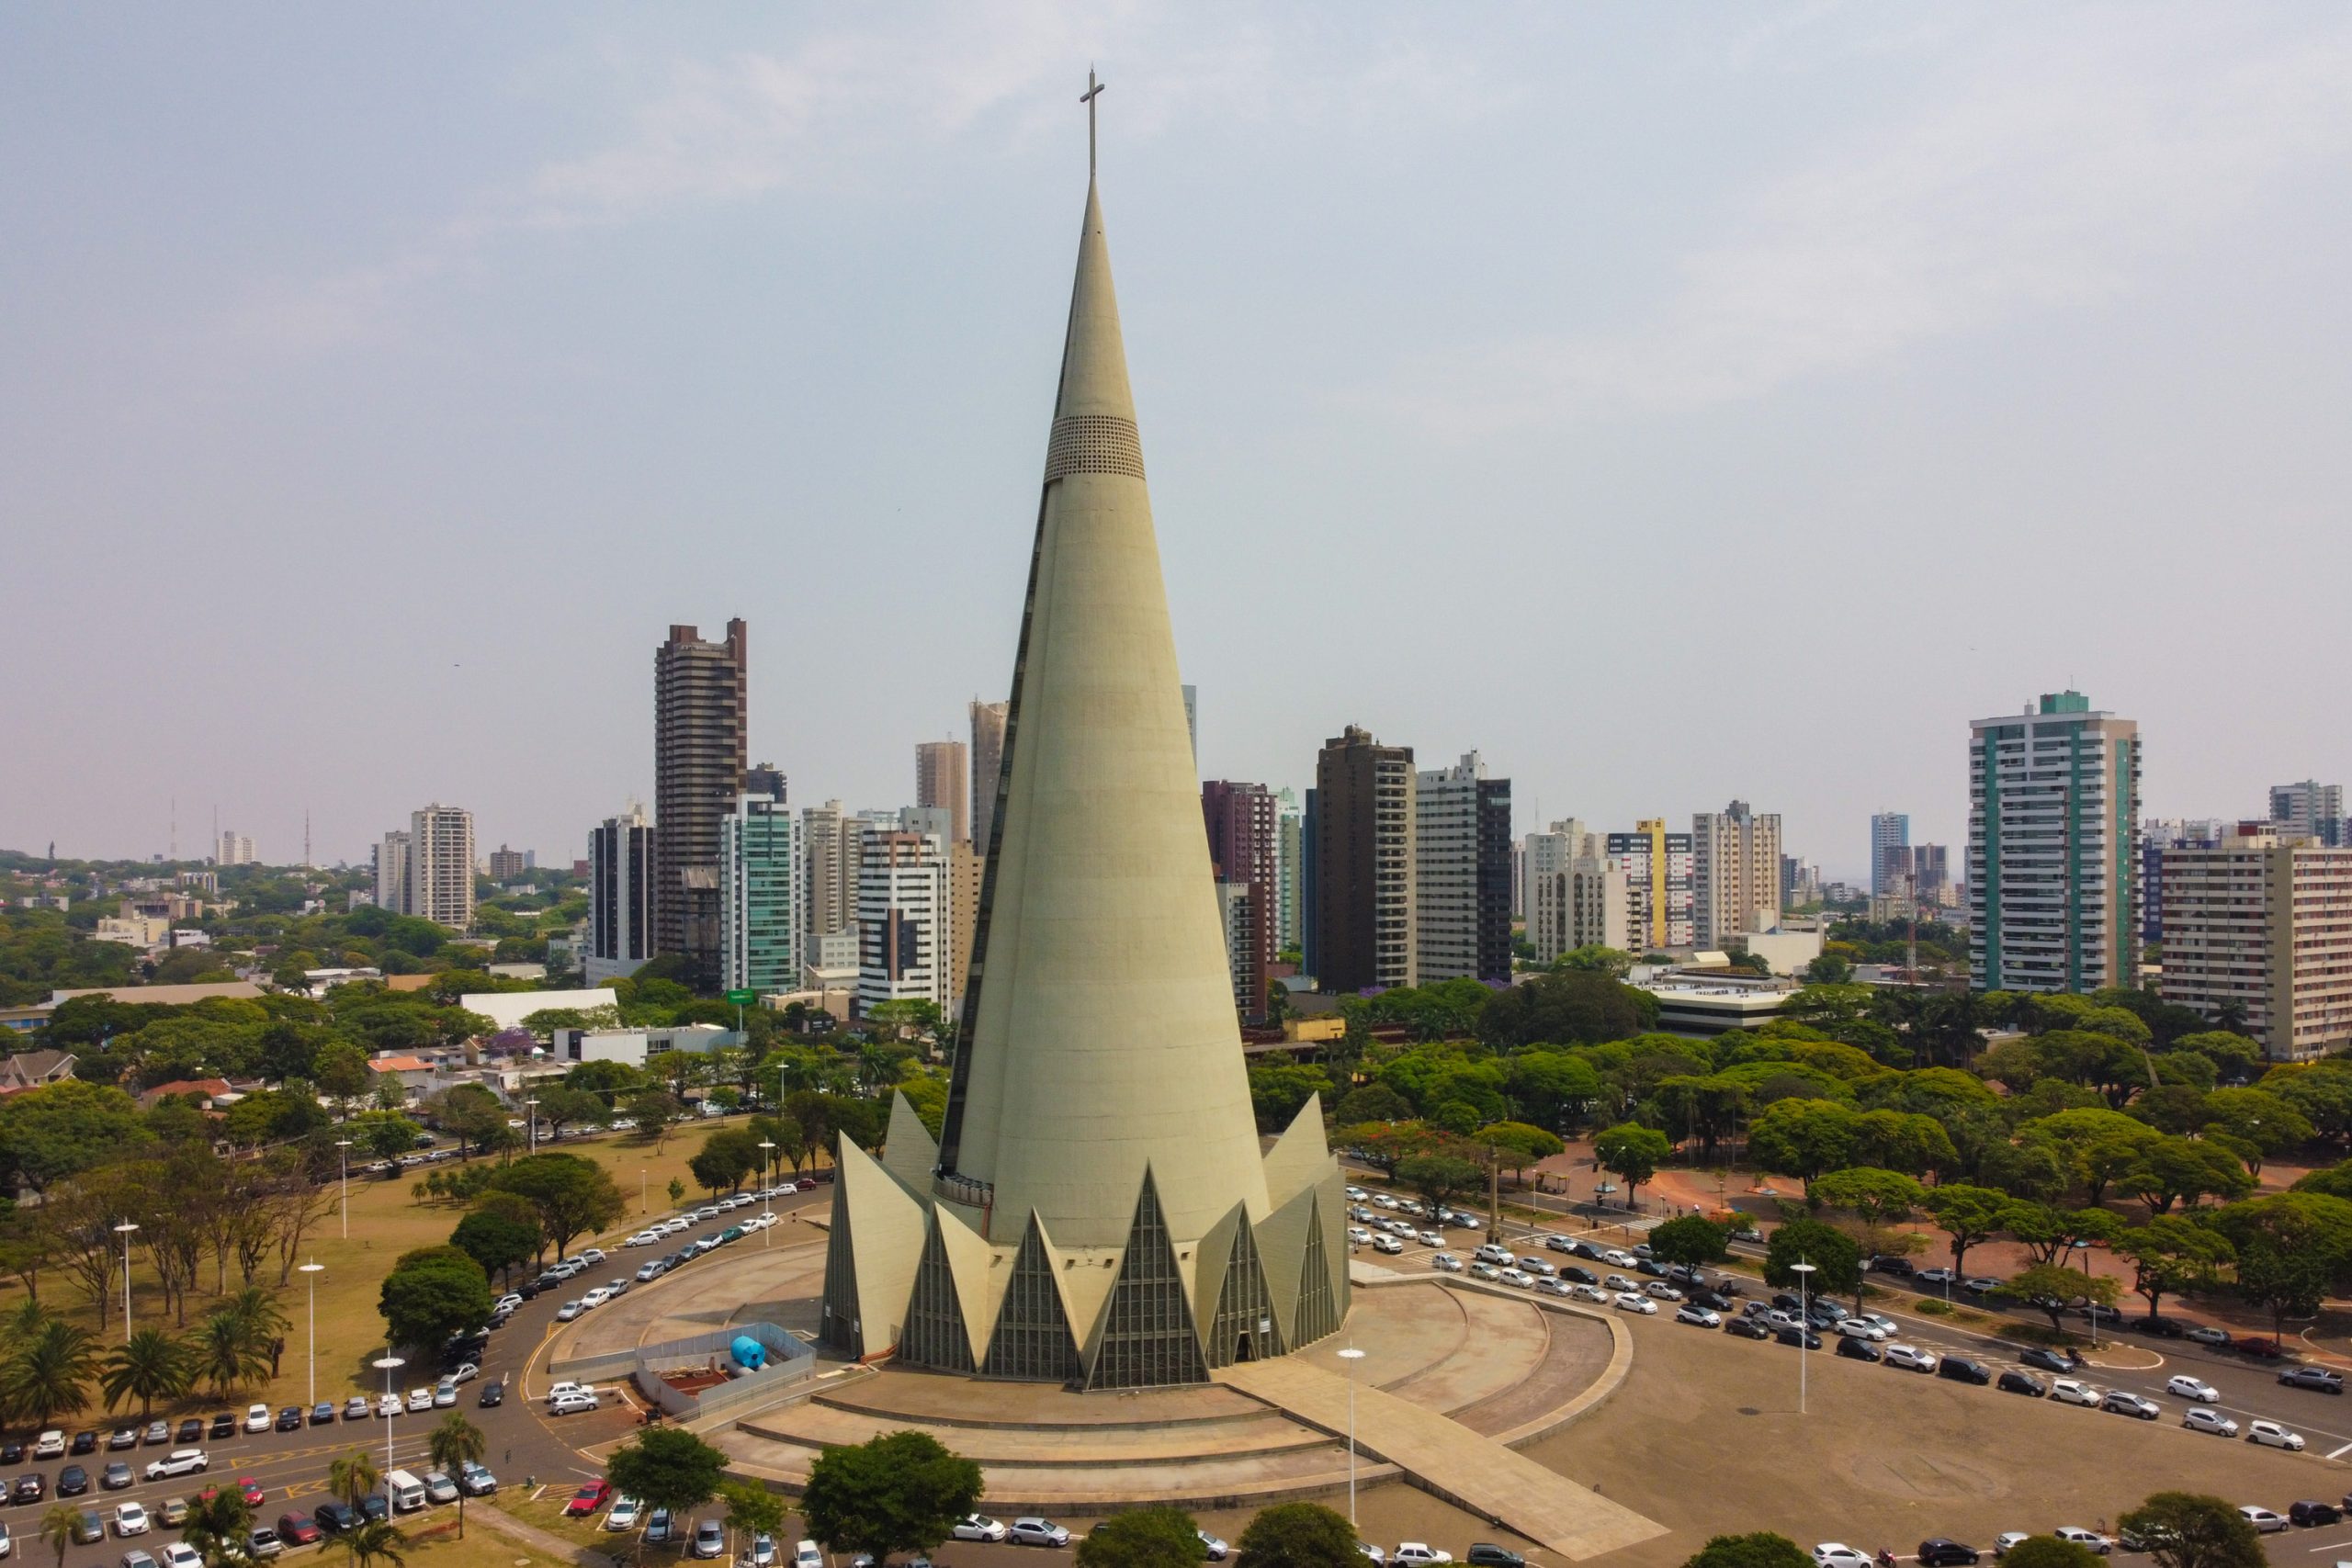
(822, 1423)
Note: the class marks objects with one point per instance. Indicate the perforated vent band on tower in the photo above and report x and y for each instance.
(1094, 443)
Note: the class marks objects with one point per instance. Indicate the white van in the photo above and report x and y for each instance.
(407, 1492)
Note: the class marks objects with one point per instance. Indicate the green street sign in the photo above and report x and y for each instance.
(743, 999)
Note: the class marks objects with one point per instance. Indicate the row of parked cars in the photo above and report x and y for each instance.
(1943, 1552)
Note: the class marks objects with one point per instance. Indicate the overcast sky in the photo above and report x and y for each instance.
(1673, 403)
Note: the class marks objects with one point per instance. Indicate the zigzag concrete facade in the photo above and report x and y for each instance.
(1097, 1210)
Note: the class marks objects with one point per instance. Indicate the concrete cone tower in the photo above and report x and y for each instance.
(1096, 1208)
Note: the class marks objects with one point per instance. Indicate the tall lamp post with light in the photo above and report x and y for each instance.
(767, 1187)
(531, 1124)
(344, 1145)
(124, 1231)
(388, 1364)
(1804, 1325)
(311, 1271)
(1352, 1356)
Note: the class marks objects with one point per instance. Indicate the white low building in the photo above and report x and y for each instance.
(635, 1047)
(509, 1009)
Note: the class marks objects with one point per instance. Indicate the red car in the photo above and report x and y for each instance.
(298, 1529)
(589, 1499)
(2260, 1350)
(250, 1491)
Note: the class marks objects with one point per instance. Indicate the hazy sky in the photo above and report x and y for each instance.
(1673, 403)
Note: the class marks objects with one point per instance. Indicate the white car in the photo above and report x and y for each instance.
(977, 1527)
(2264, 1521)
(643, 1238)
(2206, 1334)
(1658, 1290)
(1887, 1325)
(625, 1513)
(1628, 1301)
(672, 1226)
(50, 1445)
(420, 1399)
(1416, 1551)
(180, 1461)
(569, 1310)
(595, 1298)
(1862, 1328)
(2068, 1391)
(1359, 1236)
(1777, 1319)
(259, 1417)
(1387, 1244)
(2200, 1419)
(1555, 1287)
(806, 1555)
(1705, 1317)
(1432, 1238)
(1518, 1278)
(1446, 1261)
(1619, 1282)
(2122, 1402)
(130, 1518)
(180, 1554)
(592, 1254)
(1490, 1253)
(389, 1405)
(1583, 1292)
(510, 1302)
(2090, 1541)
(2193, 1388)
(1837, 1554)
(1618, 1260)
(2007, 1538)
(1912, 1357)
(1383, 1200)
(1030, 1530)
(572, 1404)
(1355, 1194)
(2271, 1435)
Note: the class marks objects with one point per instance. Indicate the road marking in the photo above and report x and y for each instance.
(2339, 1453)
(2337, 1547)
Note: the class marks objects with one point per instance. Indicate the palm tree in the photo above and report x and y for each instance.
(354, 1476)
(455, 1443)
(373, 1541)
(50, 1374)
(220, 1529)
(259, 1312)
(26, 1321)
(154, 1365)
(57, 1528)
(227, 1356)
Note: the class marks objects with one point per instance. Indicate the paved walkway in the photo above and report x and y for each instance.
(532, 1536)
(1448, 1458)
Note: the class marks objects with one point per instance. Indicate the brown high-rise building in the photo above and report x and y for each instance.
(1241, 822)
(1365, 874)
(700, 691)
(940, 781)
(988, 762)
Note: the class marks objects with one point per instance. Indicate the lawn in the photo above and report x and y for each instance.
(437, 1546)
(385, 1222)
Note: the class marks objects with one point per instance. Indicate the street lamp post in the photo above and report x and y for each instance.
(1805, 1326)
(767, 1203)
(531, 1124)
(345, 1144)
(2082, 1246)
(643, 1206)
(124, 1230)
(1352, 1356)
(312, 1271)
(388, 1364)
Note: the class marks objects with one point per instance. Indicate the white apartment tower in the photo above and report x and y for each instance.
(905, 919)
(1551, 856)
(441, 866)
(1734, 873)
(2257, 930)
(391, 874)
(2053, 799)
(235, 849)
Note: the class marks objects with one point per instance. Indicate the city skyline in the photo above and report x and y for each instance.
(357, 314)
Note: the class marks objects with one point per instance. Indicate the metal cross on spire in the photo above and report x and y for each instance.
(1094, 91)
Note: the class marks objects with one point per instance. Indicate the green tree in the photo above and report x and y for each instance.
(1692, 1239)
(2174, 1169)
(1518, 1144)
(752, 1508)
(1837, 1261)
(1878, 1198)
(354, 1476)
(1299, 1535)
(677, 1192)
(2048, 1233)
(2282, 1281)
(1373, 1102)
(669, 1467)
(341, 1070)
(1570, 1007)
(49, 1135)
(1761, 1549)
(48, 1375)
(500, 1243)
(564, 1106)
(452, 1444)
(900, 1492)
(2052, 1288)
(227, 1354)
(431, 1293)
(150, 1366)
(57, 1526)
(2194, 1530)
(573, 1196)
(219, 1527)
(1968, 1215)
(2050, 1551)
(2169, 1254)
(371, 1541)
(655, 1111)
(1440, 1178)
(1158, 1537)
(1632, 1152)
(1277, 1091)
(1803, 1138)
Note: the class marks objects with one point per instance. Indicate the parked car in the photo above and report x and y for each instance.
(1942, 1551)
(1959, 1369)
(257, 1417)
(1911, 1358)
(1806, 1338)
(2189, 1387)
(475, 1480)
(1626, 1300)
(299, 1529)
(1837, 1554)
(262, 1543)
(2048, 1361)
(1751, 1328)
(2264, 1521)
(2206, 1334)
(322, 1414)
(2090, 1540)
(2071, 1391)
(130, 1518)
(2026, 1383)
(1704, 1316)
(977, 1527)
(2269, 1434)
(115, 1477)
(2203, 1418)
(625, 1514)
(1414, 1552)
(1859, 1349)
(591, 1497)
(354, 1409)
(2311, 1511)
(1486, 1554)
(2320, 1379)
(1030, 1530)
(2122, 1402)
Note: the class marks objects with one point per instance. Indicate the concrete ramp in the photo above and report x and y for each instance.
(1442, 1457)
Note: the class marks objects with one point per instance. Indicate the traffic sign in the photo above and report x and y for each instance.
(743, 999)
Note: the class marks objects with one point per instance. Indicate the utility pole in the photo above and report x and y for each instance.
(1494, 1194)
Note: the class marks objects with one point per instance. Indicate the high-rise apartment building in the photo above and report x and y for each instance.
(988, 763)
(1366, 868)
(1462, 849)
(620, 896)
(441, 866)
(392, 873)
(2310, 810)
(965, 869)
(943, 778)
(2158, 834)
(1657, 867)
(904, 922)
(1309, 873)
(506, 864)
(237, 849)
(2257, 932)
(1242, 915)
(1890, 852)
(761, 883)
(1290, 845)
(830, 902)
(2053, 799)
(1550, 856)
(1931, 875)
(700, 693)
(1734, 873)
(1241, 819)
